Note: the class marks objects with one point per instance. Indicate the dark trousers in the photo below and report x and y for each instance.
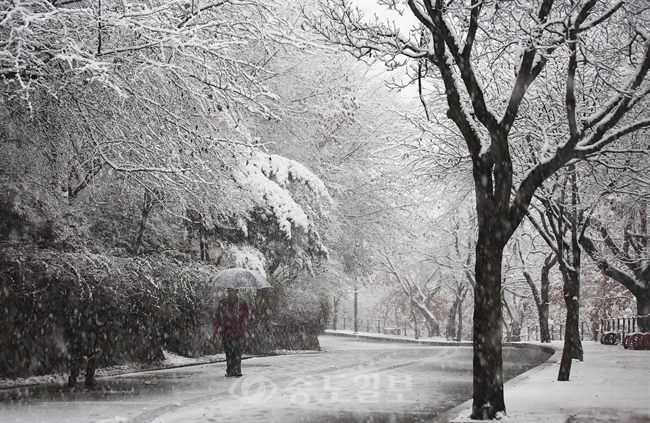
(76, 363)
(233, 348)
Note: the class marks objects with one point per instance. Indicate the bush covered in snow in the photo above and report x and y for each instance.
(287, 317)
(156, 302)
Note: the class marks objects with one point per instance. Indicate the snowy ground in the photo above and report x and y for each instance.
(349, 380)
(353, 380)
(611, 385)
(171, 361)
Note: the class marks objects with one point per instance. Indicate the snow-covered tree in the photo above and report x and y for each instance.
(459, 289)
(623, 257)
(495, 61)
(418, 287)
(562, 224)
(161, 99)
(154, 89)
(540, 294)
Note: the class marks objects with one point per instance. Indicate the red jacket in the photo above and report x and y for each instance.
(230, 317)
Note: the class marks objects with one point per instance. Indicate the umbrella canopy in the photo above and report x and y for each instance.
(239, 278)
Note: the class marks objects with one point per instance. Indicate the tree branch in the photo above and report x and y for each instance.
(619, 276)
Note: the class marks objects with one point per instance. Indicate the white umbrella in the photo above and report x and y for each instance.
(239, 278)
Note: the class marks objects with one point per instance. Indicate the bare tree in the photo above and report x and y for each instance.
(150, 200)
(418, 294)
(629, 251)
(540, 296)
(459, 289)
(516, 311)
(562, 225)
(473, 49)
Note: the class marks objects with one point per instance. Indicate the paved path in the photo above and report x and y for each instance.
(349, 380)
(611, 385)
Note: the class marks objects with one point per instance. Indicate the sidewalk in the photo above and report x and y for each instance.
(612, 384)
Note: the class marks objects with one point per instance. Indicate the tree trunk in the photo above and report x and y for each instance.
(415, 320)
(572, 344)
(143, 225)
(455, 332)
(432, 323)
(507, 329)
(541, 296)
(459, 332)
(643, 309)
(542, 306)
(148, 202)
(434, 326)
(451, 320)
(544, 330)
(487, 363)
(516, 331)
(203, 244)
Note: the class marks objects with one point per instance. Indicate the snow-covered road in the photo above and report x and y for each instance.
(349, 380)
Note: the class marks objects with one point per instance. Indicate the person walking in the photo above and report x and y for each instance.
(230, 321)
(82, 339)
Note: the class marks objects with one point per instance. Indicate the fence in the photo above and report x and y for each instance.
(623, 325)
(373, 325)
(384, 326)
(556, 332)
(404, 328)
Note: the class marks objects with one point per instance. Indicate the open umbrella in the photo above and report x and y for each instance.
(239, 278)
